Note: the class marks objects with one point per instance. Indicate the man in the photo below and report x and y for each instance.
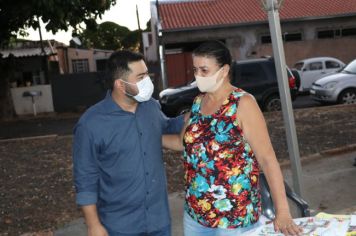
(117, 153)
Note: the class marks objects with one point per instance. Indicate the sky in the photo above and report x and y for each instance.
(123, 13)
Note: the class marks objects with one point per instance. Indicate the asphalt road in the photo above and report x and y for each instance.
(305, 101)
(60, 125)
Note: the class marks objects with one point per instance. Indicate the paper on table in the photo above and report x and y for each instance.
(322, 224)
(353, 220)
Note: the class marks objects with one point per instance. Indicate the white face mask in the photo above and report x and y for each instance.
(145, 89)
(209, 84)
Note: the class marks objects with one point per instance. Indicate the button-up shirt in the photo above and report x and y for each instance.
(118, 165)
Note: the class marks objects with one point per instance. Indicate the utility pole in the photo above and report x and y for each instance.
(139, 30)
(272, 6)
(44, 63)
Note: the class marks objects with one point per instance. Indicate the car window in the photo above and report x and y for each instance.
(332, 65)
(299, 65)
(314, 66)
(251, 73)
(351, 67)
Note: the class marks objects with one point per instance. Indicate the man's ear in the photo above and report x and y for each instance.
(119, 85)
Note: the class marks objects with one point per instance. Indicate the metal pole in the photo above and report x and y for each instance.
(139, 30)
(288, 116)
(163, 68)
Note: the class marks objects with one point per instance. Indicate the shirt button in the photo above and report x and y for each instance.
(144, 153)
(141, 133)
(146, 173)
(148, 192)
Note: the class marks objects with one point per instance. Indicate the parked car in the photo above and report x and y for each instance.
(337, 88)
(312, 69)
(256, 76)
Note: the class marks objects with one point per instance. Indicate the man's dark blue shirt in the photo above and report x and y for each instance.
(118, 165)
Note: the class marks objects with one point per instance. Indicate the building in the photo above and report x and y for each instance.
(310, 28)
(36, 64)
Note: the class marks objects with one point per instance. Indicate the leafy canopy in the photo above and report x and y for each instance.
(111, 36)
(15, 16)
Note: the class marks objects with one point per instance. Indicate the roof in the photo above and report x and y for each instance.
(177, 15)
(26, 52)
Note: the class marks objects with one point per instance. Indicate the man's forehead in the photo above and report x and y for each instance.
(137, 64)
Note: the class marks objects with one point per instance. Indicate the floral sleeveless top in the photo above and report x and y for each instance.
(221, 171)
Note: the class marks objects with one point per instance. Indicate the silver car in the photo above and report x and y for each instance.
(337, 88)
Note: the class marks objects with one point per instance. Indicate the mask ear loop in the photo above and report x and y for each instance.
(130, 95)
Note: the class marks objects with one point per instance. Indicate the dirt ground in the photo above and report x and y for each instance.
(36, 192)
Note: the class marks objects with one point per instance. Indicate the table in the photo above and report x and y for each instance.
(322, 224)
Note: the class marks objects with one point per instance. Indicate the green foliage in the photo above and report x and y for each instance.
(56, 14)
(107, 35)
(111, 36)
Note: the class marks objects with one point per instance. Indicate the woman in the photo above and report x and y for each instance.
(225, 143)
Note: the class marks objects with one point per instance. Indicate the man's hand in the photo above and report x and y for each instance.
(97, 230)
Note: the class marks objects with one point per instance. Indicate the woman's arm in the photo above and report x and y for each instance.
(255, 130)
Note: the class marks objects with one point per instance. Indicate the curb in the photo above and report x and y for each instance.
(28, 138)
(321, 155)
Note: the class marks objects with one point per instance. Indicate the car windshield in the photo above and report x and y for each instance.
(350, 68)
(299, 65)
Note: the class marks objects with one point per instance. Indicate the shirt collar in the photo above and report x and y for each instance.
(110, 104)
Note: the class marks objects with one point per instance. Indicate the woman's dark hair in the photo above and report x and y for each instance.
(214, 49)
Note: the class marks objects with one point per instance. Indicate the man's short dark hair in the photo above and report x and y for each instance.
(118, 64)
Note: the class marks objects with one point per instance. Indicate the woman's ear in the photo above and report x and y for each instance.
(226, 70)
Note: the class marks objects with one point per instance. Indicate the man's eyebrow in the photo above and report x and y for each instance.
(144, 73)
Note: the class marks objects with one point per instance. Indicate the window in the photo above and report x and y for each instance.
(299, 65)
(334, 33)
(265, 39)
(80, 65)
(251, 73)
(348, 32)
(332, 64)
(315, 66)
(324, 34)
(289, 37)
(101, 64)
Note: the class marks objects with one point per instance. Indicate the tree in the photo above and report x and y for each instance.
(107, 35)
(56, 14)
(16, 16)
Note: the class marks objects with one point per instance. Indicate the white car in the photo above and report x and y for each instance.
(312, 69)
(338, 87)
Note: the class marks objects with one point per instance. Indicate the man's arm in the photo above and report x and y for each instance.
(85, 173)
(95, 228)
(175, 141)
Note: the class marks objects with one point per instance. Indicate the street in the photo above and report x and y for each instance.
(305, 101)
(56, 124)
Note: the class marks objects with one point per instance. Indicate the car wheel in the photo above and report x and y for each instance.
(183, 110)
(347, 96)
(273, 103)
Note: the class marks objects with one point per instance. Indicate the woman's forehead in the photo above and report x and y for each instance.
(208, 61)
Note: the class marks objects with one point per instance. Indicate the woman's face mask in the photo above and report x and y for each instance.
(145, 89)
(209, 83)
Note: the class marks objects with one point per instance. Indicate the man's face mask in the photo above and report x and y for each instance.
(209, 84)
(145, 89)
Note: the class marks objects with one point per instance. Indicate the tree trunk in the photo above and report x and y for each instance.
(6, 104)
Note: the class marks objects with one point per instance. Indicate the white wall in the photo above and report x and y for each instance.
(23, 105)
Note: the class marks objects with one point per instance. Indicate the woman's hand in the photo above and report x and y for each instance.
(284, 223)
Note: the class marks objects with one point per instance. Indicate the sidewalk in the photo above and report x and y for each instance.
(329, 186)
